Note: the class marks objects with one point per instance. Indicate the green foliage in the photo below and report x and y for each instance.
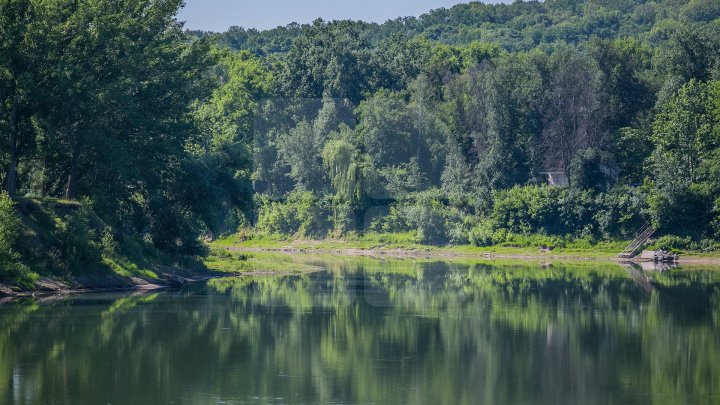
(451, 101)
(555, 211)
(79, 248)
(429, 218)
(108, 244)
(632, 148)
(427, 215)
(485, 234)
(526, 209)
(592, 169)
(216, 173)
(10, 259)
(683, 211)
(343, 127)
(302, 214)
(684, 133)
(716, 221)
(685, 160)
(673, 243)
(621, 212)
(328, 59)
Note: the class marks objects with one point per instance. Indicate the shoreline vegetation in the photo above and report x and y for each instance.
(378, 246)
(532, 129)
(49, 226)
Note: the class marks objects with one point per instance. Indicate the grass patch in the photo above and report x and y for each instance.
(522, 245)
(243, 263)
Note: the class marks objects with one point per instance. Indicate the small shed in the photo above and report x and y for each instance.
(557, 178)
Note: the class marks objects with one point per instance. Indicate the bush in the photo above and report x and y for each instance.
(108, 244)
(528, 209)
(622, 212)
(577, 209)
(483, 235)
(429, 216)
(78, 248)
(301, 214)
(706, 246)
(343, 219)
(577, 212)
(10, 260)
(716, 220)
(687, 211)
(673, 242)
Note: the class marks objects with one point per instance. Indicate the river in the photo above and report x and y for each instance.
(367, 331)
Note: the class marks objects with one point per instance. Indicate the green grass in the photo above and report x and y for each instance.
(128, 268)
(518, 245)
(243, 263)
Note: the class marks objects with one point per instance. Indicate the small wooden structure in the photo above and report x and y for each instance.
(641, 238)
(557, 178)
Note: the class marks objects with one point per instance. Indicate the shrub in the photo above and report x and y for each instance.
(394, 221)
(10, 260)
(622, 211)
(343, 219)
(78, 242)
(706, 245)
(302, 214)
(716, 220)
(686, 211)
(673, 242)
(576, 208)
(483, 234)
(429, 220)
(561, 212)
(429, 216)
(528, 209)
(108, 244)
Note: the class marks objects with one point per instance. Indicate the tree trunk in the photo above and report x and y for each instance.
(11, 184)
(72, 185)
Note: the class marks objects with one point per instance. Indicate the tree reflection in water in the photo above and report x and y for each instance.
(389, 331)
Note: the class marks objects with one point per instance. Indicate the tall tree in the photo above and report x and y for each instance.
(574, 114)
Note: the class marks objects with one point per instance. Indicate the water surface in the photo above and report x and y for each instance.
(377, 332)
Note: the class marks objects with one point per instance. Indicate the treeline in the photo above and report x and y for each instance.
(522, 25)
(442, 127)
(111, 103)
(452, 141)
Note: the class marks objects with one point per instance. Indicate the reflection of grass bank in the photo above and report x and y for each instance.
(255, 264)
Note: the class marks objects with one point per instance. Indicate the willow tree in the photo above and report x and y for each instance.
(352, 177)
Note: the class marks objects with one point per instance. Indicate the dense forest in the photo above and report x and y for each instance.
(445, 128)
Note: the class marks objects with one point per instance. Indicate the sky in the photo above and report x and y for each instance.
(219, 15)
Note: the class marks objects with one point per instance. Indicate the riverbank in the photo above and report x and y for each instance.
(231, 257)
(216, 265)
(107, 282)
(603, 251)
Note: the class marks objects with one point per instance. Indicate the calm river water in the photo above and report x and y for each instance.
(378, 332)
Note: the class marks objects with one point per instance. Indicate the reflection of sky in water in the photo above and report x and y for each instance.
(369, 331)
